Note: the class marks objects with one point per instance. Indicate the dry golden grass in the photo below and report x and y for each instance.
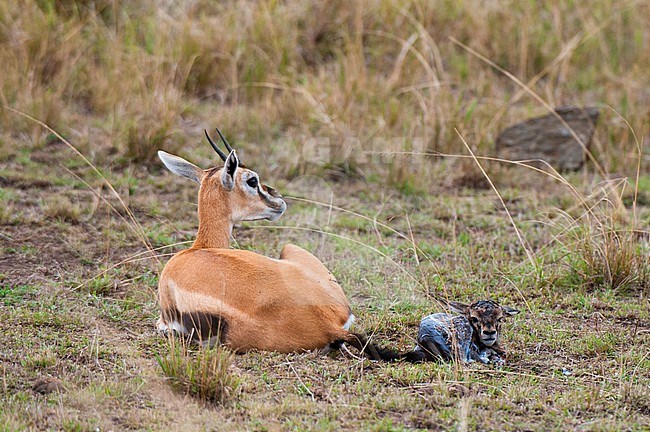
(367, 76)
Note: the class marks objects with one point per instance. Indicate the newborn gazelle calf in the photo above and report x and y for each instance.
(473, 335)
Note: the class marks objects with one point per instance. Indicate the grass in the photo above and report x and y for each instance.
(346, 109)
(610, 260)
(198, 371)
(337, 81)
(62, 210)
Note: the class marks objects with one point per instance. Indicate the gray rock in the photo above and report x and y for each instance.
(548, 139)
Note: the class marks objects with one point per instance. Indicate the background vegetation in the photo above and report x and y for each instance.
(310, 93)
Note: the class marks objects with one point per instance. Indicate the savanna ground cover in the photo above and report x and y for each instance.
(365, 115)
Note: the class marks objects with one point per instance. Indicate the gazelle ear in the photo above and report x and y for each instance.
(181, 167)
(229, 170)
(458, 307)
(508, 311)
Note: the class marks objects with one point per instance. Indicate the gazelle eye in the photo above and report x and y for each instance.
(252, 182)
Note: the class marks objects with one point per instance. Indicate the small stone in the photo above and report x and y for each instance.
(47, 385)
(459, 390)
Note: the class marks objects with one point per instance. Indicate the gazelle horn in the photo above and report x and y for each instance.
(214, 146)
(224, 140)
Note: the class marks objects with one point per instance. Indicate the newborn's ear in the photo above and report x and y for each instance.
(181, 167)
(458, 307)
(508, 311)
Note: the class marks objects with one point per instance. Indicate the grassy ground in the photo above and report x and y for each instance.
(308, 92)
(97, 335)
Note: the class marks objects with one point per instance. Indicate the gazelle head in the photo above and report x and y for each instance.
(230, 191)
(485, 316)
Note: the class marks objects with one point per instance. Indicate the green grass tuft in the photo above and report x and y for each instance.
(603, 258)
(198, 371)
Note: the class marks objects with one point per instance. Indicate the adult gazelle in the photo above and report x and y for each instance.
(240, 298)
